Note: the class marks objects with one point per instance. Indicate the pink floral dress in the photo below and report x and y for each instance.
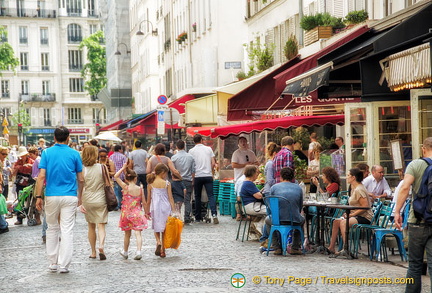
(132, 214)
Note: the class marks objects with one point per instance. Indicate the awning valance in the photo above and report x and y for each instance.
(407, 69)
(113, 126)
(303, 84)
(271, 124)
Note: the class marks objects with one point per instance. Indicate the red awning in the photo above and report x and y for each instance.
(261, 125)
(262, 94)
(113, 126)
(149, 123)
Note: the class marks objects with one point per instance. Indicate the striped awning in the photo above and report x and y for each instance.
(407, 69)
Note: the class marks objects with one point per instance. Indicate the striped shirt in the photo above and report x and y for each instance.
(281, 160)
(119, 160)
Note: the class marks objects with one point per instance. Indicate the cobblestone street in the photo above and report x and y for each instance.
(205, 262)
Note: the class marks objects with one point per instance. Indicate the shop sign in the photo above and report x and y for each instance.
(79, 130)
(41, 130)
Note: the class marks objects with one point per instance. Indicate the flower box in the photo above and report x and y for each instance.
(320, 32)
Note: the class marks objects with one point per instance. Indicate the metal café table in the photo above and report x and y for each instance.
(320, 224)
(345, 252)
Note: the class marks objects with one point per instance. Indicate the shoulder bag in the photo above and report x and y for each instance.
(110, 197)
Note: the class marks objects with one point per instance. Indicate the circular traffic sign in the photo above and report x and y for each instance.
(162, 99)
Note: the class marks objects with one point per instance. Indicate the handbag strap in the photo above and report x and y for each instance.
(105, 175)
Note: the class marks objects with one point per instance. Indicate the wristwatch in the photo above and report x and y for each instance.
(38, 196)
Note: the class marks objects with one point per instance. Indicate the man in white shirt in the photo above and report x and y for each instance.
(204, 164)
(376, 184)
(242, 157)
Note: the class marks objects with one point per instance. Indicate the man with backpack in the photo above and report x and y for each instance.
(420, 222)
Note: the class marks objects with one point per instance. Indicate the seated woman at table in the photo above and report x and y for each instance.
(253, 199)
(271, 150)
(331, 180)
(359, 197)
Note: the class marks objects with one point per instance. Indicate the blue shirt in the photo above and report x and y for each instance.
(247, 191)
(62, 164)
(294, 194)
(185, 164)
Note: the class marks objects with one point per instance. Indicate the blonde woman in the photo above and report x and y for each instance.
(93, 200)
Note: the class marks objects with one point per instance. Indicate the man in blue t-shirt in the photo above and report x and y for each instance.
(61, 167)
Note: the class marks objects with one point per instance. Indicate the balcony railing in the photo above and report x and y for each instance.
(75, 121)
(23, 40)
(38, 97)
(45, 68)
(38, 13)
(5, 95)
(74, 12)
(47, 122)
(74, 39)
(92, 13)
(44, 41)
(75, 68)
(100, 121)
(24, 67)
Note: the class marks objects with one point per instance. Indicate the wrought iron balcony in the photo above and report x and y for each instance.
(74, 12)
(23, 40)
(44, 41)
(38, 97)
(38, 13)
(74, 39)
(24, 67)
(75, 68)
(75, 121)
(45, 68)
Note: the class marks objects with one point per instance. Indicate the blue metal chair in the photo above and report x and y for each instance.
(247, 223)
(284, 230)
(380, 234)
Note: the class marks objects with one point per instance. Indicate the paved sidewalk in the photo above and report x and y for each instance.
(205, 262)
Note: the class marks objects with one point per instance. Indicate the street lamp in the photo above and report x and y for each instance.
(141, 33)
(118, 49)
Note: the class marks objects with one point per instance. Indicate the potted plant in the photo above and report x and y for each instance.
(291, 47)
(181, 37)
(319, 26)
(241, 75)
(355, 17)
(194, 27)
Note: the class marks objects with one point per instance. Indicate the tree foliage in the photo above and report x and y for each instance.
(8, 61)
(21, 117)
(94, 72)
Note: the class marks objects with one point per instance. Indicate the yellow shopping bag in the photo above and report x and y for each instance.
(174, 227)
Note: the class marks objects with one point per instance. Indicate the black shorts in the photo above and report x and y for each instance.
(362, 220)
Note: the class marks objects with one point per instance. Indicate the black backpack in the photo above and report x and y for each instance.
(422, 203)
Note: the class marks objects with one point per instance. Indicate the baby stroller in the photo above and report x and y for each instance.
(205, 213)
(25, 205)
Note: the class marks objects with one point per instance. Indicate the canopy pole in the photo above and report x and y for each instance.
(271, 106)
(292, 99)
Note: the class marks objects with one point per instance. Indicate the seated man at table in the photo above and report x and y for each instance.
(376, 184)
(289, 209)
(253, 200)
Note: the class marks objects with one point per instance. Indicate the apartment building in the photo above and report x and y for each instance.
(45, 36)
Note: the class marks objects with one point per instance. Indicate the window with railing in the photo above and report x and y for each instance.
(74, 33)
(75, 60)
(24, 61)
(74, 116)
(46, 87)
(91, 8)
(45, 62)
(23, 38)
(44, 36)
(5, 88)
(76, 85)
(99, 115)
(73, 7)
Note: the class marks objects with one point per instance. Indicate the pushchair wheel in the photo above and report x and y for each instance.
(32, 222)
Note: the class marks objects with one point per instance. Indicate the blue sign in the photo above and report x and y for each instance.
(41, 130)
(161, 116)
(162, 100)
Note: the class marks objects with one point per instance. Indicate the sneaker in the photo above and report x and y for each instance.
(264, 243)
(138, 255)
(215, 220)
(124, 254)
(278, 251)
(53, 268)
(18, 223)
(4, 230)
(64, 270)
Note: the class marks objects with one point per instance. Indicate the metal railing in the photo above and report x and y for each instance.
(24, 67)
(75, 68)
(38, 13)
(74, 12)
(74, 39)
(75, 121)
(44, 41)
(5, 95)
(45, 68)
(38, 97)
(23, 40)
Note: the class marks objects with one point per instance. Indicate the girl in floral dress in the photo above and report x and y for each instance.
(161, 203)
(132, 214)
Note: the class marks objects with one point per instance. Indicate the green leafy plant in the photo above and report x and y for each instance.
(21, 117)
(300, 168)
(357, 16)
(8, 61)
(260, 57)
(241, 75)
(310, 22)
(302, 135)
(94, 71)
(291, 47)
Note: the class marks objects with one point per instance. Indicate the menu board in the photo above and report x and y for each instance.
(396, 149)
